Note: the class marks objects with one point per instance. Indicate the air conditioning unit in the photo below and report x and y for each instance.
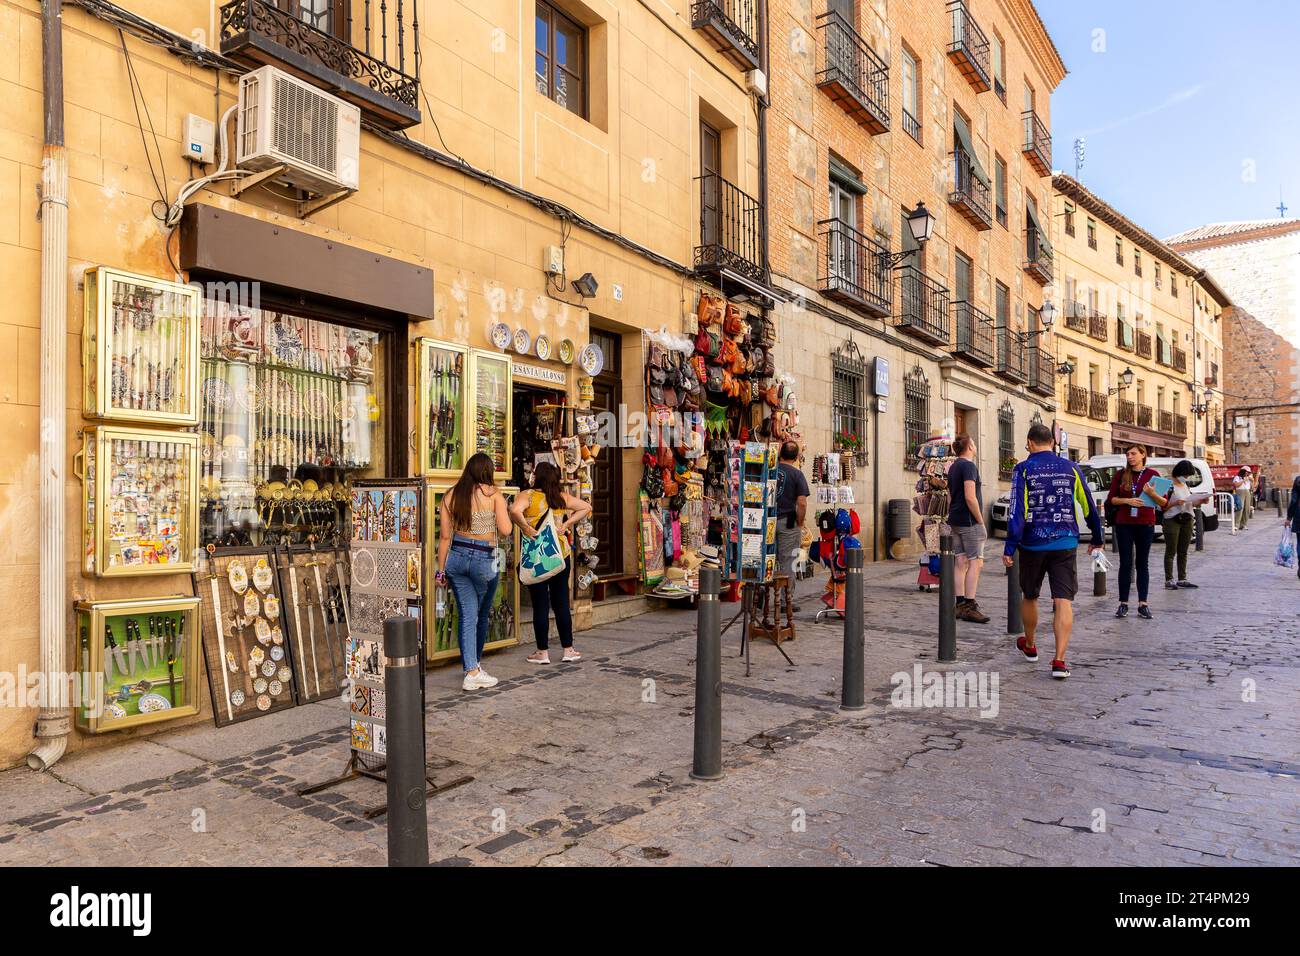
(283, 121)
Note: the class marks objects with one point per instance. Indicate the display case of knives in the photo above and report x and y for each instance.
(246, 641)
(139, 661)
(441, 393)
(314, 584)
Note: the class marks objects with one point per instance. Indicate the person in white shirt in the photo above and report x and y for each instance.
(1241, 490)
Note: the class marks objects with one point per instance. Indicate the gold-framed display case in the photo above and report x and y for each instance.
(443, 617)
(140, 349)
(489, 408)
(441, 399)
(140, 501)
(139, 662)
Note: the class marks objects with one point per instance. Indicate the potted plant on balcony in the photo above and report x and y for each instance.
(850, 443)
(1007, 466)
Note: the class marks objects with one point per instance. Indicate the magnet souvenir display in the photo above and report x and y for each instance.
(139, 660)
(140, 498)
(140, 348)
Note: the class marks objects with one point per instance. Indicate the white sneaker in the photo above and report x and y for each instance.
(478, 681)
(571, 655)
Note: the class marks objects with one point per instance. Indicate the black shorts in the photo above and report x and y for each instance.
(1057, 566)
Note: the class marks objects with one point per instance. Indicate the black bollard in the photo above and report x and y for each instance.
(1014, 624)
(947, 601)
(1098, 582)
(1198, 528)
(852, 684)
(408, 836)
(707, 764)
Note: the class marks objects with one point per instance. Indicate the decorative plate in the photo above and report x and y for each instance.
(500, 335)
(263, 631)
(275, 687)
(364, 567)
(284, 674)
(263, 702)
(237, 576)
(153, 703)
(543, 348)
(271, 606)
(237, 698)
(268, 668)
(523, 341)
(251, 603)
(592, 359)
(259, 686)
(277, 653)
(566, 351)
(263, 576)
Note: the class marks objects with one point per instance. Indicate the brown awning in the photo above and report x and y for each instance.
(220, 242)
(1158, 444)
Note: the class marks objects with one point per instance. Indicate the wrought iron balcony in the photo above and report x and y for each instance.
(1166, 420)
(1038, 144)
(1098, 406)
(732, 240)
(731, 27)
(1076, 316)
(970, 195)
(1124, 335)
(923, 306)
(1038, 257)
(1076, 400)
(1127, 412)
(974, 334)
(1011, 355)
(911, 125)
(1098, 326)
(854, 268)
(1142, 344)
(970, 47)
(1180, 359)
(1144, 416)
(852, 74)
(1042, 371)
(1180, 425)
(364, 51)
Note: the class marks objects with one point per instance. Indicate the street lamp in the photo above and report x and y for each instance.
(1046, 316)
(1125, 380)
(920, 223)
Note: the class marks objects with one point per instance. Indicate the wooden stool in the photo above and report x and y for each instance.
(773, 601)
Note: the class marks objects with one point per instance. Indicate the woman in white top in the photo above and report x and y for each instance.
(1179, 524)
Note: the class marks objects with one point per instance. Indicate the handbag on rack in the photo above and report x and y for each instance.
(542, 557)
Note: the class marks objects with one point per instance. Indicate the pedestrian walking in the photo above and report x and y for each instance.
(1293, 515)
(1241, 491)
(1042, 525)
(1178, 523)
(966, 518)
(1135, 526)
(528, 512)
(791, 508)
(471, 516)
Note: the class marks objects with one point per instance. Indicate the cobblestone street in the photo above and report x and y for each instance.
(1150, 743)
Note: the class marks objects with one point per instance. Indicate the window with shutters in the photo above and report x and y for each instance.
(561, 51)
(1006, 439)
(916, 412)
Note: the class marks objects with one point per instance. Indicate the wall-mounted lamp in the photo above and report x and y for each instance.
(585, 285)
(1125, 380)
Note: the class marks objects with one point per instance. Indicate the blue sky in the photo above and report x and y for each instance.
(1190, 110)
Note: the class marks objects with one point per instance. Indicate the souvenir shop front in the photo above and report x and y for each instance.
(231, 419)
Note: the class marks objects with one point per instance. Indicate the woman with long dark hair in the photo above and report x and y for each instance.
(1135, 526)
(1293, 515)
(528, 512)
(471, 517)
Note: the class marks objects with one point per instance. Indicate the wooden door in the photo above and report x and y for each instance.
(711, 185)
(607, 473)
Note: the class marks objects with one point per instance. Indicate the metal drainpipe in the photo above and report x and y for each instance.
(54, 721)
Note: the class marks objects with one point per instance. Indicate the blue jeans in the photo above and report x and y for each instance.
(471, 569)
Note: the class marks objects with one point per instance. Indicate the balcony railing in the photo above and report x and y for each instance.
(974, 334)
(1143, 345)
(1038, 143)
(1098, 326)
(1076, 400)
(922, 305)
(1164, 352)
(1042, 371)
(1038, 258)
(999, 90)
(970, 194)
(911, 125)
(1180, 425)
(1214, 431)
(1098, 406)
(731, 27)
(1180, 360)
(1166, 420)
(970, 47)
(1076, 316)
(1127, 412)
(731, 231)
(852, 74)
(364, 51)
(854, 269)
(1011, 355)
(1144, 416)
(1124, 335)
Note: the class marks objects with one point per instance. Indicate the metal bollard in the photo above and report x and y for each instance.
(853, 678)
(947, 601)
(1098, 583)
(1014, 624)
(408, 836)
(707, 764)
(1198, 528)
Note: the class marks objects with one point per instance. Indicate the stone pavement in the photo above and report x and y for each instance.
(1175, 742)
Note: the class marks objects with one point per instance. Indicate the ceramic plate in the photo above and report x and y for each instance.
(543, 347)
(500, 335)
(523, 341)
(592, 359)
(566, 351)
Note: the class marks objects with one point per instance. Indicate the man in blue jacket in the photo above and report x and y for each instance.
(1044, 490)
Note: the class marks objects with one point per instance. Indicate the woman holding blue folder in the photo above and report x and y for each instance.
(1133, 505)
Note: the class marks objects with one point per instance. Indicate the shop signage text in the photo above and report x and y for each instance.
(554, 376)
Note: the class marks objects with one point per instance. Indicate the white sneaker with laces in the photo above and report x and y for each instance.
(570, 656)
(478, 681)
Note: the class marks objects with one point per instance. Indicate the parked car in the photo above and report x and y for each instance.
(1098, 472)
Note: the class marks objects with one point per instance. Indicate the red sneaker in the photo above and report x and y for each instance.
(1060, 670)
(1029, 650)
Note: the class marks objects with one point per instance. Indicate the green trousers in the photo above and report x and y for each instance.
(1178, 536)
